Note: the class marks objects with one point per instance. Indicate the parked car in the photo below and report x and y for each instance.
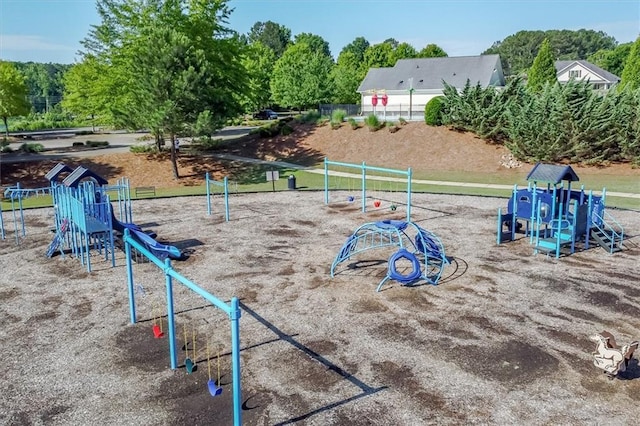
(265, 114)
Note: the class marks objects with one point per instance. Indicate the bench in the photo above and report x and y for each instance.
(145, 191)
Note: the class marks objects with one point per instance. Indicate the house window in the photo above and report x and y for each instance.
(575, 73)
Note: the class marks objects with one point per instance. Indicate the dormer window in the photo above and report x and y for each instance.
(575, 73)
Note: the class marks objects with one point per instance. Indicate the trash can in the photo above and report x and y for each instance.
(291, 182)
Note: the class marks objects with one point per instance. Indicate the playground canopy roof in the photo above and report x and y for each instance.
(81, 173)
(56, 171)
(550, 173)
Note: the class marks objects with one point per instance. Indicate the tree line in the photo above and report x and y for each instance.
(544, 120)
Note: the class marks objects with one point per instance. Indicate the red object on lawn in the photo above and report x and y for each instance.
(157, 333)
(385, 98)
(374, 99)
(376, 203)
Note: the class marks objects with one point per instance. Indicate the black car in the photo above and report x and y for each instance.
(265, 114)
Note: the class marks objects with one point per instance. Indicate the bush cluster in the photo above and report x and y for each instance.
(562, 122)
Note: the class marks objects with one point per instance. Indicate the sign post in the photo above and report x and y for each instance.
(273, 176)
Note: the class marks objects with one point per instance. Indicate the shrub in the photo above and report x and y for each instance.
(335, 125)
(96, 144)
(433, 112)
(143, 149)
(338, 115)
(353, 123)
(77, 144)
(372, 122)
(310, 117)
(32, 147)
(402, 121)
(286, 130)
(205, 143)
(393, 128)
(4, 146)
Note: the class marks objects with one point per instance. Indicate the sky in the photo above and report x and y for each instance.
(51, 30)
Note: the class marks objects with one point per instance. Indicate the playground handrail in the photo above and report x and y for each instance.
(605, 219)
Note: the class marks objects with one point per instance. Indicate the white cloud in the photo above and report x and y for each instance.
(11, 42)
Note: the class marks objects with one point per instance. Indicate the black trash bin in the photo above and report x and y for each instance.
(291, 182)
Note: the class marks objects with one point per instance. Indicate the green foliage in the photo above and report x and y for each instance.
(631, 74)
(5, 146)
(205, 143)
(561, 122)
(353, 123)
(77, 144)
(372, 122)
(404, 51)
(357, 47)
(316, 43)
(402, 121)
(143, 149)
(275, 36)
(13, 94)
(518, 51)
(378, 56)
(432, 51)
(301, 78)
(44, 83)
(338, 115)
(433, 111)
(258, 62)
(612, 60)
(310, 117)
(84, 91)
(54, 119)
(32, 147)
(285, 129)
(97, 144)
(543, 70)
(347, 75)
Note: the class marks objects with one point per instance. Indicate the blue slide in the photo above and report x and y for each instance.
(161, 250)
(146, 239)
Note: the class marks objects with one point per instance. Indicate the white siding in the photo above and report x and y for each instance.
(398, 104)
(581, 73)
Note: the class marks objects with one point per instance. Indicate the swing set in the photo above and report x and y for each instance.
(232, 310)
(364, 168)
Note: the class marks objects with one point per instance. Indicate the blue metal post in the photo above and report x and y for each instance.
(208, 194)
(364, 187)
(499, 237)
(132, 297)
(235, 361)
(326, 180)
(1, 224)
(170, 317)
(409, 174)
(226, 198)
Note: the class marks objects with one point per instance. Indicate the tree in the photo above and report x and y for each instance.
(347, 76)
(169, 62)
(83, 91)
(432, 51)
(404, 51)
(301, 77)
(315, 42)
(518, 51)
(543, 69)
(612, 60)
(275, 36)
(358, 46)
(379, 55)
(13, 94)
(258, 61)
(631, 74)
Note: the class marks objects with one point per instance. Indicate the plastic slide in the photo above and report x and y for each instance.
(161, 250)
(121, 226)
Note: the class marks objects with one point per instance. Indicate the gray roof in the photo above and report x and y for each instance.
(550, 173)
(606, 75)
(429, 73)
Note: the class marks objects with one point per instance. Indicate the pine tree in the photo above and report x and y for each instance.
(631, 73)
(543, 69)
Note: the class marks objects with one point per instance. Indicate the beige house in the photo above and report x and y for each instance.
(411, 83)
(582, 70)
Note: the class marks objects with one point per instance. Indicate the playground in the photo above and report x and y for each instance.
(503, 338)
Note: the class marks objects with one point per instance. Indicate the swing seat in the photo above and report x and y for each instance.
(350, 198)
(157, 333)
(190, 366)
(214, 389)
(376, 203)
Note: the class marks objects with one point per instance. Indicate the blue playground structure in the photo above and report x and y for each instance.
(225, 190)
(232, 310)
(406, 174)
(85, 217)
(555, 217)
(16, 194)
(420, 247)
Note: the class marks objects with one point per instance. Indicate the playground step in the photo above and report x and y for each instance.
(550, 243)
(605, 241)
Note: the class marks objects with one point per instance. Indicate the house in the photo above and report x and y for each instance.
(411, 83)
(582, 70)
